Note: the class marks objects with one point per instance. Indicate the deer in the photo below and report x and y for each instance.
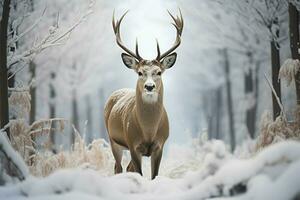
(136, 120)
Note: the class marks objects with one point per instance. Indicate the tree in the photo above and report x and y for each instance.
(212, 99)
(229, 98)
(75, 117)
(219, 106)
(52, 109)
(251, 91)
(8, 62)
(4, 116)
(103, 133)
(89, 117)
(268, 14)
(295, 43)
(235, 31)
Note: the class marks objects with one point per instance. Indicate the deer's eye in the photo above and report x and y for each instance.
(140, 73)
(158, 73)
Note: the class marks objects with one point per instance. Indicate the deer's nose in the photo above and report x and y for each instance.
(149, 87)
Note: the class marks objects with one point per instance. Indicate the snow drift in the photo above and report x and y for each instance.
(272, 173)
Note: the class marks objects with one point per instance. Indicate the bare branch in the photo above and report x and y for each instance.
(18, 70)
(18, 37)
(277, 98)
(15, 166)
(18, 89)
(265, 22)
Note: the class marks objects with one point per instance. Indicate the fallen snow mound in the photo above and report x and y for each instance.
(271, 174)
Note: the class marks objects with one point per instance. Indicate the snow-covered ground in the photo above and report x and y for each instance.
(208, 172)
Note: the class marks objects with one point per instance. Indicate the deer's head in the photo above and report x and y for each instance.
(149, 71)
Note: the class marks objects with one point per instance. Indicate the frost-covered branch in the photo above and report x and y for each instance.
(15, 164)
(30, 28)
(277, 98)
(296, 3)
(50, 40)
(262, 17)
(18, 70)
(39, 126)
(23, 89)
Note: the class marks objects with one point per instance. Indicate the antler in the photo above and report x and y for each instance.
(178, 24)
(116, 27)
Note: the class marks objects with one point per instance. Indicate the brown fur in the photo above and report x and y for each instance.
(138, 126)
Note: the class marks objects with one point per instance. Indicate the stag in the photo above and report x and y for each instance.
(136, 120)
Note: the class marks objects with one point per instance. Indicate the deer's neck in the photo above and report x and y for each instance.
(149, 114)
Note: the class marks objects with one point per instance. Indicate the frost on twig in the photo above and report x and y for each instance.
(16, 38)
(53, 38)
(289, 69)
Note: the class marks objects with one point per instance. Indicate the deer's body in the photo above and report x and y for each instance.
(130, 120)
(136, 119)
(135, 125)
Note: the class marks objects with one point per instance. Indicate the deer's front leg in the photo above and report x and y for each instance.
(136, 159)
(155, 159)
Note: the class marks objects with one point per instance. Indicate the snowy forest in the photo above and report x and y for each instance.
(225, 125)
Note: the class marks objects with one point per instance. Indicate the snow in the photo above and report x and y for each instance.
(270, 174)
(127, 94)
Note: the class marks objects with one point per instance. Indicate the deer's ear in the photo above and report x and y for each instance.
(129, 61)
(169, 60)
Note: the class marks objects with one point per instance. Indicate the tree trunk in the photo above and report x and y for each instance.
(210, 132)
(89, 136)
(32, 92)
(294, 43)
(52, 111)
(275, 59)
(103, 133)
(32, 69)
(229, 100)
(212, 101)
(4, 112)
(207, 100)
(218, 112)
(75, 119)
(251, 80)
(256, 92)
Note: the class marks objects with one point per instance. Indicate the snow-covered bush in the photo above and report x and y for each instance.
(278, 130)
(19, 102)
(96, 155)
(246, 149)
(23, 134)
(202, 154)
(289, 69)
(11, 163)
